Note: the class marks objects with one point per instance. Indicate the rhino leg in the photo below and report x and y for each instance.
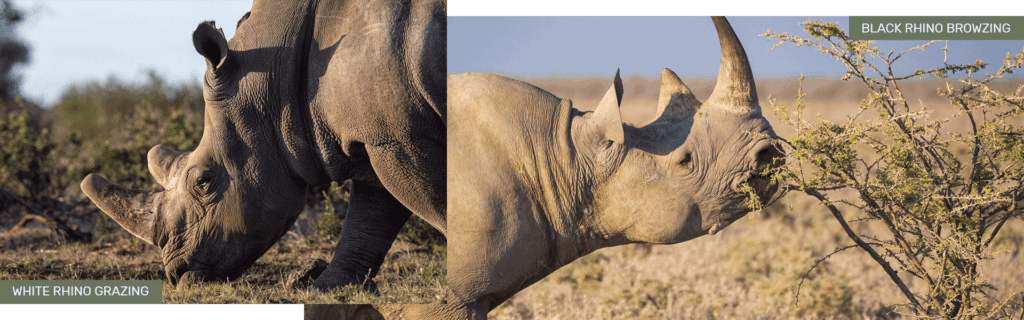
(415, 173)
(372, 222)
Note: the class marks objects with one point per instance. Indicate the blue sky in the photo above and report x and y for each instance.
(538, 46)
(74, 41)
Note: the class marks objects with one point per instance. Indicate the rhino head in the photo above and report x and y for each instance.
(682, 174)
(229, 200)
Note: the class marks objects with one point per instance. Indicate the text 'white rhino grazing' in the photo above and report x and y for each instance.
(535, 183)
(305, 93)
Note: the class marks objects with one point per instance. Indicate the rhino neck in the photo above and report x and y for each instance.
(566, 178)
(611, 209)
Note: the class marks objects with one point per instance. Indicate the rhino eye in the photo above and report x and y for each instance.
(203, 181)
(686, 160)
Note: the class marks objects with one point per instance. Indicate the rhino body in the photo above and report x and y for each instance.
(535, 184)
(305, 93)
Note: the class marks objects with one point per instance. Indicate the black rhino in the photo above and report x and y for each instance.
(535, 183)
(305, 93)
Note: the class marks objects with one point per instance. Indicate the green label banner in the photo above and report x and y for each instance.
(80, 291)
(936, 28)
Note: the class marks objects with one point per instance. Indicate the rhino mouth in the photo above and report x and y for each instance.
(761, 185)
(183, 275)
(183, 270)
(759, 178)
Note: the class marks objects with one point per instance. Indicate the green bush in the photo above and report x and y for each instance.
(33, 165)
(329, 226)
(119, 123)
(906, 169)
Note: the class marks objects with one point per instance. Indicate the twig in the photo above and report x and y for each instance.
(816, 263)
(1021, 308)
(863, 245)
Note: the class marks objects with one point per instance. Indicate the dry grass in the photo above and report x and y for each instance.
(753, 268)
(749, 271)
(410, 276)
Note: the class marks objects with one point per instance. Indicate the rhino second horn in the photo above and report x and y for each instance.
(675, 99)
(130, 208)
(165, 164)
(735, 89)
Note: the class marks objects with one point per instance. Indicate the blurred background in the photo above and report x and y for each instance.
(89, 86)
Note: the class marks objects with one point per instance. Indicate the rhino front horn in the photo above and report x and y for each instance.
(131, 209)
(735, 90)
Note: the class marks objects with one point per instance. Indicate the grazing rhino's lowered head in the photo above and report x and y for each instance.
(229, 200)
(536, 184)
(305, 93)
(681, 174)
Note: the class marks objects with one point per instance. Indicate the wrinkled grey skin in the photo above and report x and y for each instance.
(305, 93)
(535, 183)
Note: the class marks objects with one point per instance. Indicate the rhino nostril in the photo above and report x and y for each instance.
(737, 184)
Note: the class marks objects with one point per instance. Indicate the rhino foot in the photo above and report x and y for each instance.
(330, 280)
(304, 276)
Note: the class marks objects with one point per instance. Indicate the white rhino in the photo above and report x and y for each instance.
(305, 93)
(534, 183)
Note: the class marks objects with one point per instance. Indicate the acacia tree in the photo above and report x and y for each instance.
(941, 187)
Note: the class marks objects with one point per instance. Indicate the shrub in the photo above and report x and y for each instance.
(32, 175)
(119, 123)
(942, 194)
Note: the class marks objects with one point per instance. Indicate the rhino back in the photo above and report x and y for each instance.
(369, 70)
(501, 123)
(384, 64)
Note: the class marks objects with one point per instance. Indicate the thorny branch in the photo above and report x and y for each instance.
(942, 196)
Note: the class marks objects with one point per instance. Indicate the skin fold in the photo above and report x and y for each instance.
(305, 93)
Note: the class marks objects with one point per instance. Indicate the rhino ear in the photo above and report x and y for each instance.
(675, 100)
(606, 117)
(210, 42)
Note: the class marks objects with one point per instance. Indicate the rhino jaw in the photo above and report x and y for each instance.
(132, 209)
